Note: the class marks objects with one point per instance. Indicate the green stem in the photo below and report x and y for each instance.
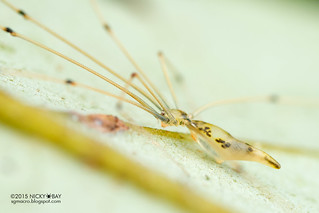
(45, 125)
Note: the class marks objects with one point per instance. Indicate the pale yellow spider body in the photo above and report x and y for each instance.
(217, 142)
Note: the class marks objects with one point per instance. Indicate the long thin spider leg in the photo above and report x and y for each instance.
(76, 84)
(168, 81)
(95, 60)
(177, 76)
(138, 99)
(266, 98)
(178, 79)
(133, 75)
(119, 103)
(107, 27)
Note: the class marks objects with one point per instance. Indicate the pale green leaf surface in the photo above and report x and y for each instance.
(224, 49)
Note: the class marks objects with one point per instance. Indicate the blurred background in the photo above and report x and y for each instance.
(223, 49)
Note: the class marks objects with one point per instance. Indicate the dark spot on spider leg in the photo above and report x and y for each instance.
(274, 98)
(21, 12)
(69, 81)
